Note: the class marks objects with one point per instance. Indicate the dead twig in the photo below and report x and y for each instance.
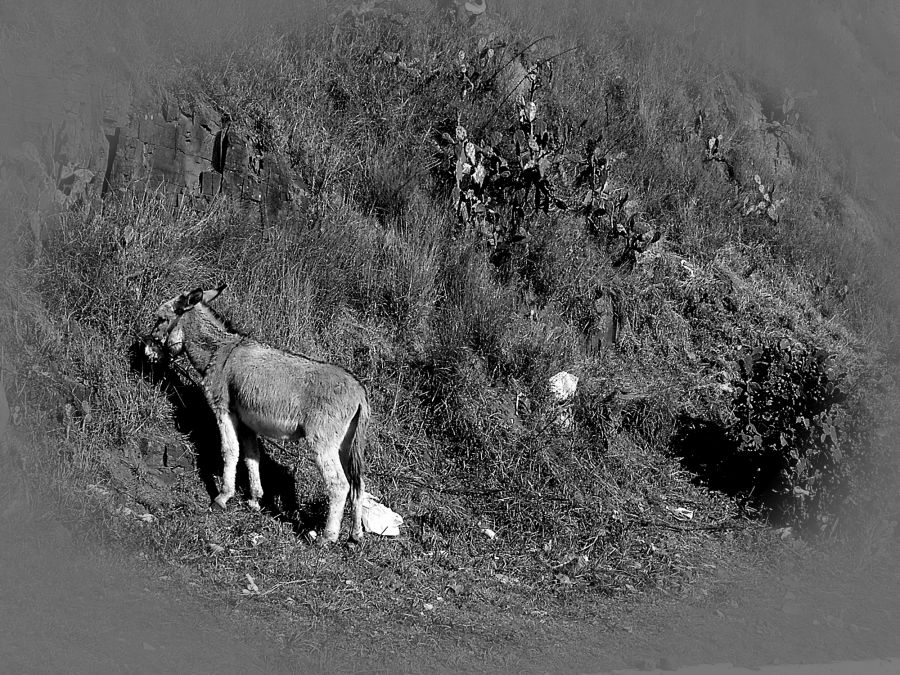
(279, 585)
(717, 527)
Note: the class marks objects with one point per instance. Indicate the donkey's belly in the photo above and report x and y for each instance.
(269, 426)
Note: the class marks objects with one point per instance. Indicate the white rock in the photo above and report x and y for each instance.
(563, 385)
(477, 7)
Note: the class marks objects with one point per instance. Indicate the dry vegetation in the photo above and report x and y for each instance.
(644, 267)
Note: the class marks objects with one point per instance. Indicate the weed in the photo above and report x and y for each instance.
(454, 295)
(786, 405)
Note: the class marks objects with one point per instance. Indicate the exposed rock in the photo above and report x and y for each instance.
(192, 154)
(98, 142)
(604, 329)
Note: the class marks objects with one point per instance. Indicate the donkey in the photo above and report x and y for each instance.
(254, 388)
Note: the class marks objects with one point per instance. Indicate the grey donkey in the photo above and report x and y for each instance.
(256, 389)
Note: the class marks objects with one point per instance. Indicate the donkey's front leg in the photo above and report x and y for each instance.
(230, 450)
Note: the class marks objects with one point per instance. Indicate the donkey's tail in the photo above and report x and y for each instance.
(354, 464)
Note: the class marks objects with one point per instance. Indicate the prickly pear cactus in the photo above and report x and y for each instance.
(765, 205)
(537, 158)
(490, 191)
(480, 176)
(714, 149)
(502, 181)
(412, 67)
(602, 199)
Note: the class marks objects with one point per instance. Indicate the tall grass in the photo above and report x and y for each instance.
(454, 347)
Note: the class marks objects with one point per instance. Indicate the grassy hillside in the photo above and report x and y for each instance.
(726, 323)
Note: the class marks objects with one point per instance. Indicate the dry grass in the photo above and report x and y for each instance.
(377, 276)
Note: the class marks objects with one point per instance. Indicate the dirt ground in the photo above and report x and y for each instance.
(795, 612)
(68, 610)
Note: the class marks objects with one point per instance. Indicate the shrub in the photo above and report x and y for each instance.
(791, 426)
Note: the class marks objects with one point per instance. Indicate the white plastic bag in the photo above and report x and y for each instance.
(378, 518)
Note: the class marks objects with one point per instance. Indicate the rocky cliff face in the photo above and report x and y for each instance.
(93, 141)
(191, 153)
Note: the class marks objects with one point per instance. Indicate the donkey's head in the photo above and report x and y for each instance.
(167, 336)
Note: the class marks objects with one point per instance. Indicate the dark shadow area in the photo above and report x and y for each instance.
(707, 451)
(112, 149)
(279, 489)
(191, 413)
(306, 516)
(193, 418)
(220, 150)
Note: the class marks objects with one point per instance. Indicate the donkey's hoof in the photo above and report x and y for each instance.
(328, 539)
(253, 505)
(220, 501)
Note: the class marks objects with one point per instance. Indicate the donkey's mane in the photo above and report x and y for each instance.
(225, 321)
(229, 326)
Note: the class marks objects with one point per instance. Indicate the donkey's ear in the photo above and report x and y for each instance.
(186, 301)
(209, 296)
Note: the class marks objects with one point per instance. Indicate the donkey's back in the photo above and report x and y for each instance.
(285, 395)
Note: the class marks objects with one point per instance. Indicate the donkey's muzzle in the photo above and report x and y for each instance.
(154, 351)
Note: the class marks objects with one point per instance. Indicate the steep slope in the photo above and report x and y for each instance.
(654, 222)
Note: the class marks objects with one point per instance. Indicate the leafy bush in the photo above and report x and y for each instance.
(791, 425)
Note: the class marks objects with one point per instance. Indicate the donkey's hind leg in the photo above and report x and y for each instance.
(230, 450)
(328, 460)
(250, 448)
